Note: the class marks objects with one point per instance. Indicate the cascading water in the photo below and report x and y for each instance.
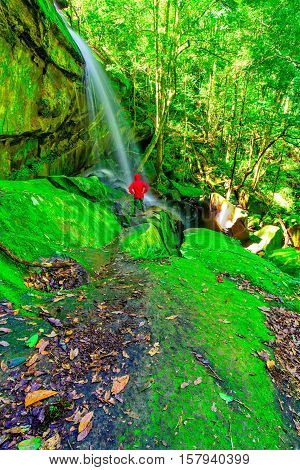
(101, 98)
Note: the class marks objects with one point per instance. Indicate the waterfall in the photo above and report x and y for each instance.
(101, 99)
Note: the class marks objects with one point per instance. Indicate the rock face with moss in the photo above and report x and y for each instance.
(64, 217)
(155, 237)
(42, 96)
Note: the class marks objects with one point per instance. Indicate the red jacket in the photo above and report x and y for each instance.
(138, 187)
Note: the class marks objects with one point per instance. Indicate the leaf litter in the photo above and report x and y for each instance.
(74, 375)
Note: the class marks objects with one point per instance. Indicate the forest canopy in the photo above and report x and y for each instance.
(211, 87)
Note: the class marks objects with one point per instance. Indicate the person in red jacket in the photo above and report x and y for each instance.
(138, 188)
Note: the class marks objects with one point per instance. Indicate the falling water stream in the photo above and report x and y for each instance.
(101, 99)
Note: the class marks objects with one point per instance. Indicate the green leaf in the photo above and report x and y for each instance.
(32, 341)
(30, 444)
(227, 398)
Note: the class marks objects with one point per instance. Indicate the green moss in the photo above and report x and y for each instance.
(12, 285)
(143, 241)
(221, 253)
(166, 227)
(152, 240)
(88, 187)
(42, 221)
(42, 105)
(57, 53)
(225, 325)
(288, 260)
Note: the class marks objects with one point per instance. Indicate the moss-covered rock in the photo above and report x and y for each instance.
(271, 238)
(287, 259)
(190, 311)
(222, 253)
(156, 238)
(143, 241)
(40, 220)
(198, 239)
(42, 96)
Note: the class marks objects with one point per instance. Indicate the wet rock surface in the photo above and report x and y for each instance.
(42, 130)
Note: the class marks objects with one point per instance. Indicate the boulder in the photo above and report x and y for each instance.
(271, 238)
(198, 241)
(143, 241)
(226, 217)
(294, 233)
(156, 237)
(169, 227)
(42, 220)
(39, 219)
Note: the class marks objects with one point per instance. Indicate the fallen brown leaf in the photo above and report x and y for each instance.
(198, 381)
(4, 366)
(154, 350)
(32, 360)
(84, 422)
(74, 353)
(81, 436)
(119, 384)
(52, 443)
(185, 384)
(38, 395)
(172, 317)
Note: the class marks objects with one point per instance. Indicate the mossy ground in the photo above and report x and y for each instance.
(185, 306)
(224, 324)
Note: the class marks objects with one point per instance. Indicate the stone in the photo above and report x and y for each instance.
(197, 241)
(294, 233)
(226, 217)
(155, 238)
(271, 238)
(42, 220)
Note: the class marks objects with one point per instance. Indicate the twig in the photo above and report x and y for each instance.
(70, 444)
(243, 404)
(207, 366)
(230, 433)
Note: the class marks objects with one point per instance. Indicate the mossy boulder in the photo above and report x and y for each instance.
(198, 239)
(224, 254)
(40, 220)
(271, 238)
(287, 259)
(156, 238)
(143, 241)
(169, 228)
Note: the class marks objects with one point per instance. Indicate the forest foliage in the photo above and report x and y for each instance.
(212, 91)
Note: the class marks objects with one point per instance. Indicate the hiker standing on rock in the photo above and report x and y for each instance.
(138, 188)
